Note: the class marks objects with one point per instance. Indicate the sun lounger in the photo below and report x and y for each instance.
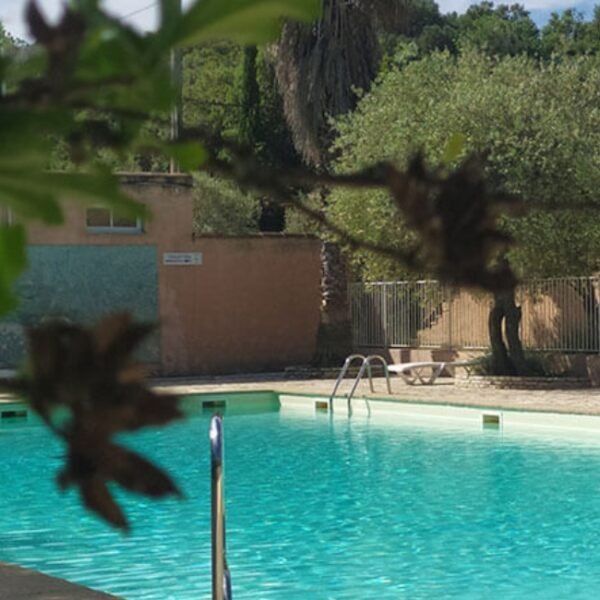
(427, 372)
(423, 372)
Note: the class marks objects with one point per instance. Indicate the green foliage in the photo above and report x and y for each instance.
(535, 364)
(12, 243)
(8, 43)
(539, 128)
(420, 15)
(496, 31)
(568, 34)
(272, 137)
(189, 156)
(297, 222)
(501, 31)
(210, 99)
(250, 125)
(221, 208)
(232, 92)
(438, 37)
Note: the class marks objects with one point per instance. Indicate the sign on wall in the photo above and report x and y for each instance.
(182, 258)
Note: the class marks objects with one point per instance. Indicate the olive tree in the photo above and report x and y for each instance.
(538, 127)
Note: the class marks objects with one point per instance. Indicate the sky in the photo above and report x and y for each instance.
(11, 11)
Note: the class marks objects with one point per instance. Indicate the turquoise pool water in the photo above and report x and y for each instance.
(356, 509)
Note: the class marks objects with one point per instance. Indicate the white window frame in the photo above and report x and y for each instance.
(132, 230)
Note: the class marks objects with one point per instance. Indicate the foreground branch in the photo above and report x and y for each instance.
(454, 215)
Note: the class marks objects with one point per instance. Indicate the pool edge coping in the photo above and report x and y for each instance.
(234, 387)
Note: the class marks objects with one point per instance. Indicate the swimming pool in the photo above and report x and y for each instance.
(318, 508)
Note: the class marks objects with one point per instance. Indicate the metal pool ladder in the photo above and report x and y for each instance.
(221, 578)
(365, 366)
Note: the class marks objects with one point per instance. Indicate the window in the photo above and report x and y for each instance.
(102, 220)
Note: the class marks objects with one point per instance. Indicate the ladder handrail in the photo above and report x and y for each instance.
(366, 365)
(382, 360)
(356, 382)
(221, 578)
(347, 363)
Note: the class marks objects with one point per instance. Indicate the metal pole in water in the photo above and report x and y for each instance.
(221, 580)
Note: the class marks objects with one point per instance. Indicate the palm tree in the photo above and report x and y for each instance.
(320, 67)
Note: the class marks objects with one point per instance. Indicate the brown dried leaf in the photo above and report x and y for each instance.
(38, 27)
(61, 42)
(131, 374)
(61, 357)
(91, 373)
(109, 329)
(118, 335)
(58, 349)
(135, 473)
(455, 217)
(97, 498)
(143, 409)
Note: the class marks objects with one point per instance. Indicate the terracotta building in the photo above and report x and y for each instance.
(222, 304)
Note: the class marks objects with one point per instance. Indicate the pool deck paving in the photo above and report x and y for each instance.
(17, 583)
(584, 401)
(444, 391)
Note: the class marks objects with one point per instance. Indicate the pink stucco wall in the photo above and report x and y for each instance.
(252, 304)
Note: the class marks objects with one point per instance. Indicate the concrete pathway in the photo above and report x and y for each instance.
(17, 583)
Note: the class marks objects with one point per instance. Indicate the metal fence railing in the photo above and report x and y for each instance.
(558, 314)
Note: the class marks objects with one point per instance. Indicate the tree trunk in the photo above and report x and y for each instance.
(334, 284)
(508, 357)
(501, 364)
(335, 332)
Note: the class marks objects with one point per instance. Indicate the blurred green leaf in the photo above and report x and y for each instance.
(242, 21)
(454, 148)
(37, 194)
(99, 187)
(13, 261)
(189, 155)
(170, 11)
(25, 134)
(31, 197)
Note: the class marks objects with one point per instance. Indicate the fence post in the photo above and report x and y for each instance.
(448, 300)
(596, 299)
(384, 314)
